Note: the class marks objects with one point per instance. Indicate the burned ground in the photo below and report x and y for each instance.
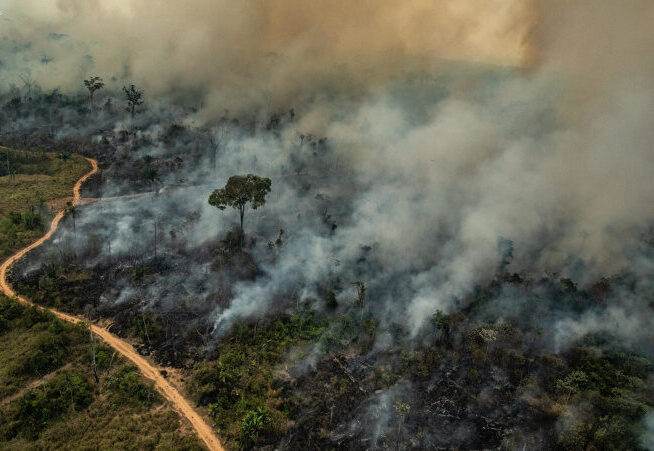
(314, 350)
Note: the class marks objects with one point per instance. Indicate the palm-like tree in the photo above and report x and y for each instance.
(71, 211)
(93, 84)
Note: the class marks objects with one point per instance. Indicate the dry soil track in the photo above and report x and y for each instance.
(204, 431)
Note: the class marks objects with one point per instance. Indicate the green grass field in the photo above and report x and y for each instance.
(30, 185)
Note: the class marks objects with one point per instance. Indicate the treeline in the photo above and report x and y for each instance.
(31, 99)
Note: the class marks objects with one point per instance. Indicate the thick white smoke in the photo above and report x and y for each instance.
(442, 158)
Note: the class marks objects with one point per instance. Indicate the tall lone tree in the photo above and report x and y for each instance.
(238, 192)
(134, 98)
(72, 211)
(93, 84)
(29, 83)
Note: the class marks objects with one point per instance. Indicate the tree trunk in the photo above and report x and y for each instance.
(145, 329)
(242, 235)
(95, 366)
(72, 395)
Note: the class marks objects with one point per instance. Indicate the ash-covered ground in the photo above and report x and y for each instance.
(453, 255)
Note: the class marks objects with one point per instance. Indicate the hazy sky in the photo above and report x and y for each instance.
(258, 52)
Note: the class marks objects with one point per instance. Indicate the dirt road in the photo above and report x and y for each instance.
(150, 371)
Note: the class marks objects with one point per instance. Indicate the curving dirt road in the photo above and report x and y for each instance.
(204, 431)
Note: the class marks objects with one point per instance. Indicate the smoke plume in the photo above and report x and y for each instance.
(255, 53)
(542, 136)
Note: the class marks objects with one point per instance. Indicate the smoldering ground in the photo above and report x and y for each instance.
(423, 169)
(417, 215)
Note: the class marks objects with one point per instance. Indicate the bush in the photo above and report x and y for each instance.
(330, 300)
(104, 356)
(236, 262)
(217, 381)
(15, 218)
(253, 424)
(126, 387)
(32, 221)
(52, 346)
(68, 391)
(147, 327)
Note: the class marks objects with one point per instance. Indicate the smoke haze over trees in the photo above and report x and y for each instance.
(427, 149)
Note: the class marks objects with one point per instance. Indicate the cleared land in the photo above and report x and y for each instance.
(26, 416)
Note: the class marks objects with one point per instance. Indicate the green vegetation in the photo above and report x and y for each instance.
(49, 399)
(238, 386)
(33, 344)
(27, 183)
(607, 390)
(68, 391)
(134, 98)
(240, 191)
(594, 396)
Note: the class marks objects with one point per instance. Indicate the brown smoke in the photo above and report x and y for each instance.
(269, 53)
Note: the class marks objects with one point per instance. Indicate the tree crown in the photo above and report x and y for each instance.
(134, 96)
(241, 189)
(94, 83)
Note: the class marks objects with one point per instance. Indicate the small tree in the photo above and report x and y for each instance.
(134, 98)
(238, 192)
(88, 313)
(150, 174)
(29, 82)
(72, 211)
(14, 106)
(93, 84)
(505, 251)
(441, 323)
(360, 300)
(330, 300)
(402, 409)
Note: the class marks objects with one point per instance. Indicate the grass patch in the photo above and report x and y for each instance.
(33, 343)
(67, 409)
(34, 179)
